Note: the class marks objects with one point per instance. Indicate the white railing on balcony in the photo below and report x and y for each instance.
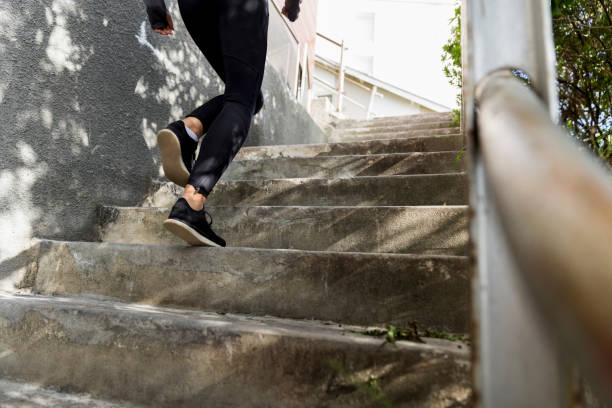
(338, 88)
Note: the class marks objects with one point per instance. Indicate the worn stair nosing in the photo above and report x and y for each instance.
(413, 189)
(373, 155)
(405, 176)
(286, 283)
(261, 250)
(347, 207)
(417, 118)
(168, 357)
(281, 325)
(376, 229)
(375, 137)
(370, 125)
(331, 144)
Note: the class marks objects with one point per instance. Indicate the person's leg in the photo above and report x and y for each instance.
(202, 22)
(200, 120)
(177, 142)
(243, 32)
(242, 28)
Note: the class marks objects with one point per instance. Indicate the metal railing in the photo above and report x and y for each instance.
(341, 73)
(341, 79)
(542, 220)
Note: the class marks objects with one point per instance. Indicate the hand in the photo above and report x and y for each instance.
(291, 10)
(169, 30)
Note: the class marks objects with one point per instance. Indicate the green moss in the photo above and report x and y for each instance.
(412, 333)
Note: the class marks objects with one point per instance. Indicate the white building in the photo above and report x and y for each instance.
(393, 62)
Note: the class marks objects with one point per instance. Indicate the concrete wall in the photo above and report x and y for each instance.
(84, 86)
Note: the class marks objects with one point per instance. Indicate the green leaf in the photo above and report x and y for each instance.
(459, 157)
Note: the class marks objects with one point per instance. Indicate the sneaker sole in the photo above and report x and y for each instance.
(172, 162)
(188, 234)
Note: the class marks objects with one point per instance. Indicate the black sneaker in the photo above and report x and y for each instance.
(192, 226)
(177, 151)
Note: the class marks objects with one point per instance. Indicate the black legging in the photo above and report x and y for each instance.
(232, 35)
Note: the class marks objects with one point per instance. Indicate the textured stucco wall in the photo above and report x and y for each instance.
(81, 99)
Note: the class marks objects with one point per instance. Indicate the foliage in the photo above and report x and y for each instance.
(411, 333)
(583, 38)
(451, 58)
(458, 158)
(371, 387)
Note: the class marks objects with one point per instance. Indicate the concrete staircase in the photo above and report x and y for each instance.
(326, 240)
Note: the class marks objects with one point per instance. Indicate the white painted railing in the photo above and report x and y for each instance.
(340, 83)
(339, 89)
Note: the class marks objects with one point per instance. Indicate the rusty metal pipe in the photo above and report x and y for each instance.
(555, 205)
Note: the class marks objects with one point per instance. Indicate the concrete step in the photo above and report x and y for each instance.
(382, 135)
(435, 189)
(416, 230)
(394, 128)
(407, 119)
(405, 145)
(21, 395)
(167, 358)
(351, 288)
(345, 166)
(430, 189)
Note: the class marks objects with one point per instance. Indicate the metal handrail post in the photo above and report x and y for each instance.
(371, 102)
(341, 79)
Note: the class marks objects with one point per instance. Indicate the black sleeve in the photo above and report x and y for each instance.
(156, 10)
(293, 9)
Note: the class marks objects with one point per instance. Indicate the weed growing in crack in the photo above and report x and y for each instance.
(412, 333)
(371, 387)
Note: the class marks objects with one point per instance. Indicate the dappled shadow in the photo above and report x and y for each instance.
(190, 358)
(426, 230)
(389, 164)
(81, 101)
(434, 189)
(409, 144)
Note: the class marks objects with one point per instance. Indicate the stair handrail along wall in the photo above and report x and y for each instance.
(542, 223)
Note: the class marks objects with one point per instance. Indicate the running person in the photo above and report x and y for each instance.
(232, 35)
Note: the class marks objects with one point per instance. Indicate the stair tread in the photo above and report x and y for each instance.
(280, 282)
(390, 135)
(305, 207)
(416, 118)
(340, 179)
(265, 251)
(239, 323)
(355, 156)
(406, 145)
(435, 124)
(414, 189)
(391, 229)
(401, 132)
(169, 357)
(346, 166)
